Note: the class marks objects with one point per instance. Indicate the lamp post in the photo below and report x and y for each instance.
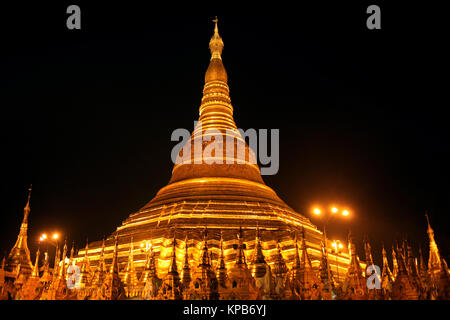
(146, 246)
(337, 248)
(53, 240)
(329, 214)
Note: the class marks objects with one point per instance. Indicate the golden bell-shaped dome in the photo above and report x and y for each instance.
(216, 71)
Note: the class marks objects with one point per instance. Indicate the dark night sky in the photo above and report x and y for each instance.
(86, 116)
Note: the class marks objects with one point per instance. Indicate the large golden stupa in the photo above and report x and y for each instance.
(222, 197)
(216, 231)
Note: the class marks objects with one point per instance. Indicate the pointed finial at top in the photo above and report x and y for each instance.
(29, 192)
(428, 221)
(216, 42)
(27, 206)
(216, 29)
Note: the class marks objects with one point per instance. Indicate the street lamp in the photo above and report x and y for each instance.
(337, 249)
(146, 246)
(329, 215)
(53, 240)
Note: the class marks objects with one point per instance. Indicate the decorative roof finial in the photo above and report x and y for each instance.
(428, 222)
(29, 193)
(27, 206)
(215, 20)
(216, 43)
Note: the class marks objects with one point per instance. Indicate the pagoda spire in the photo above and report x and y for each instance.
(222, 272)
(150, 267)
(394, 263)
(186, 252)
(305, 261)
(216, 123)
(22, 240)
(35, 272)
(368, 251)
(171, 285)
(186, 273)
(261, 271)
(434, 260)
(369, 261)
(62, 269)
(150, 279)
(20, 254)
(173, 265)
(85, 269)
(259, 262)
(56, 263)
(241, 246)
(216, 42)
(114, 285)
(205, 254)
(296, 264)
(114, 264)
(307, 277)
(386, 275)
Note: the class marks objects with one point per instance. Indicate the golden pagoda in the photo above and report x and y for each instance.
(217, 231)
(223, 196)
(19, 256)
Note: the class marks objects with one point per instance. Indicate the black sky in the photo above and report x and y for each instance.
(86, 116)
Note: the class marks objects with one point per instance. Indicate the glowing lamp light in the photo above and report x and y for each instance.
(55, 236)
(337, 245)
(316, 211)
(142, 245)
(334, 209)
(345, 213)
(44, 236)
